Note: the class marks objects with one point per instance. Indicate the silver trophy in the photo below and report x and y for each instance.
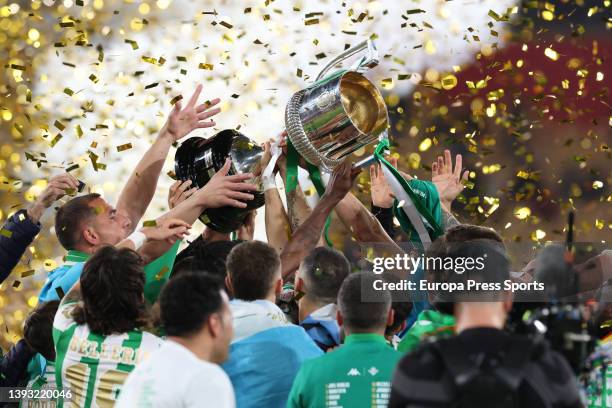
(339, 113)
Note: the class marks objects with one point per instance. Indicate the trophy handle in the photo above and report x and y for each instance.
(366, 62)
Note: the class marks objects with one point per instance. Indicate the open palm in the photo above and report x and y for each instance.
(449, 182)
(183, 121)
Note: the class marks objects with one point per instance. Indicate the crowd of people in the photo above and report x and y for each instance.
(129, 321)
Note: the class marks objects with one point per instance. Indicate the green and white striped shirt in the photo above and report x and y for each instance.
(92, 366)
(41, 381)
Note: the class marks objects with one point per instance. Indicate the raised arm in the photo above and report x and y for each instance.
(140, 187)
(297, 207)
(220, 191)
(361, 222)
(305, 238)
(278, 227)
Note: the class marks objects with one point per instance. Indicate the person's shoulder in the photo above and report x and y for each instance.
(422, 361)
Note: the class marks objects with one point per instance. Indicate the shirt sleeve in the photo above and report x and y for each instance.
(18, 232)
(64, 282)
(63, 320)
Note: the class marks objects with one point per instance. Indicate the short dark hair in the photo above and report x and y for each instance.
(465, 242)
(253, 267)
(401, 311)
(69, 218)
(212, 257)
(323, 270)
(469, 232)
(38, 329)
(112, 287)
(187, 301)
(359, 315)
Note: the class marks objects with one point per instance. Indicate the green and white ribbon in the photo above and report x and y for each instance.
(409, 203)
(315, 176)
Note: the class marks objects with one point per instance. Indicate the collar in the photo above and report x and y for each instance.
(73, 256)
(327, 312)
(365, 338)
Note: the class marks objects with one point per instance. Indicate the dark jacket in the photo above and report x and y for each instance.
(14, 365)
(17, 234)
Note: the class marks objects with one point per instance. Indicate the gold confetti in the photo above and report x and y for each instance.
(552, 54)
(6, 233)
(150, 223)
(124, 147)
(27, 273)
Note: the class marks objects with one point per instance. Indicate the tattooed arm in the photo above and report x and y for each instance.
(448, 219)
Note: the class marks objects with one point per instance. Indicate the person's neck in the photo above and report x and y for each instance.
(308, 306)
(271, 297)
(90, 249)
(348, 331)
(479, 315)
(197, 345)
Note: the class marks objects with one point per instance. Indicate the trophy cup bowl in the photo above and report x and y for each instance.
(337, 115)
(198, 159)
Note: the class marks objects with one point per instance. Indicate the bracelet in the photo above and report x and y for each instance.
(269, 182)
(138, 238)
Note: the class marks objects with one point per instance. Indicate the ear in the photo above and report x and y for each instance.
(214, 325)
(90, 236)
(390, 317)
(278, 286)
(299, 284)
(228, 284)
(507, 300)
(339, 317)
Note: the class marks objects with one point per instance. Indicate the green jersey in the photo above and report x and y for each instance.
(40, 379)
(357, 374)
(429, 323)
(92, 366)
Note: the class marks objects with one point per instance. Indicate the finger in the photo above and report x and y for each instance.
(434, 169)
(234, 203)
(184, 186)
(207, 105)
(63, 185)
(177, 222)
(195, 96)
(458, 166)
(208, 114)
(466, 175)
(202, 125)
(174, 186)
(177, 107)
(372, 173)
(393, 161)
(441, 168)
(57, 192)
(355, 172)
(68, 178)
(225, 169)
(239, 195)
(239, 177)
(189, 192)
(242, 187)
(448, 161)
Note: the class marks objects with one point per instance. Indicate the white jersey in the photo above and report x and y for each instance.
(92, 366)
(44, 383)
(175, 377)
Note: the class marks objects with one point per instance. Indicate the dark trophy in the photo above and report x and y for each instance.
(198, 159)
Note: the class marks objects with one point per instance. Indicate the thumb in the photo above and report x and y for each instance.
(225, 169)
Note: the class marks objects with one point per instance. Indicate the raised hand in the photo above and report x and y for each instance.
(58, 187)
(224, 190)
(181, 122)
(382, 196)
(170, 230)
(449, 182)
(341, 180)
(179, 192)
